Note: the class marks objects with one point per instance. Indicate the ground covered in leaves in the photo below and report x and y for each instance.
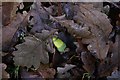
(60, 40)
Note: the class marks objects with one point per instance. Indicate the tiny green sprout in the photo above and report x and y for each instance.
(16, 71)
(88, 75)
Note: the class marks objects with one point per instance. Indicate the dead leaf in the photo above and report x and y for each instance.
(9, 31)
(45, 71)
(34, 50)
(31, 52)
(7, 35)
(38, 25)
(94, 29)
(75, 29)
(106, 69)
(8, 12)
(115, 74)
(5, 75)
(88, 61)
(26, 74)
(39, 18)
(98, 26)
(67, 67)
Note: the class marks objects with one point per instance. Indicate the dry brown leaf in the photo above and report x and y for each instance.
(45, 71)
(106, 69)
(9, 16)
(29, 74)
(31, 52)
(34, 50)
(7, 35)
(9, 31)
(5, 75)
(75, 29)
(99, 26)
(8, 11)
(94, 29)
(88, 61)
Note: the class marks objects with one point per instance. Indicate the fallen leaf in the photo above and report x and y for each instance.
(75, 29)
(8, 12)
(105, 69)
(31, 52)
(8, 33)
(97, 23)
(40, 17)
(92, 27)
(115, 74)
(45, 71)
(34, 50)
(67, 67)
(29, 75)
(88, 62)
(4, 74)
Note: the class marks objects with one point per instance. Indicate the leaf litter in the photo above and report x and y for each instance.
(90, 37)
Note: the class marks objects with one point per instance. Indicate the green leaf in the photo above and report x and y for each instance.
(59, 44)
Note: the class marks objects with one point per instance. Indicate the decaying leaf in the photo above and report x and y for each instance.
(29, 75)
(100, 28)
(75, 29)
(31, 52)
(37, 22)
(8, 12)
(67, 67)
(88, 61)
(45, 71)
(81, 25)
(115, 75)
(94, 29)
(106, 69)
(9, 31)
(4, 74)
(34, 50)
(39, 18)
